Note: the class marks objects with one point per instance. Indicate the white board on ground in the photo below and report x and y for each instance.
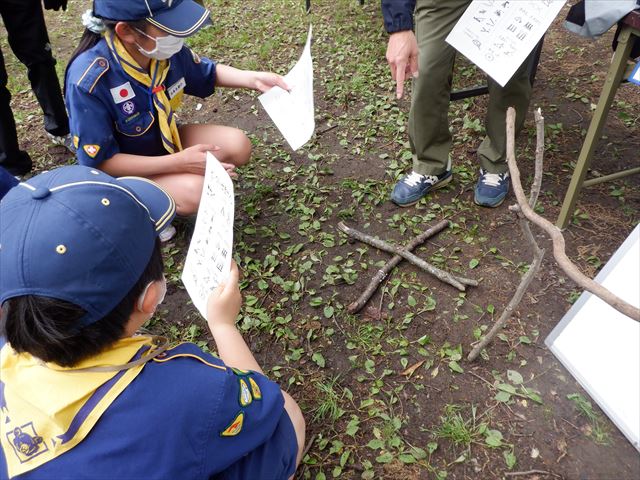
(293, 112)
(601, 347)
(209, 257)
(498, 35)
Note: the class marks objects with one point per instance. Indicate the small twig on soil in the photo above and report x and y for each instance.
(531, 472)
(304, 454)
(309, 444)
(328, 129)
(555, 233)
(567, 421)
(381, 274)
(446, 277)
(479, 377)
(355, 466)
(538, 253)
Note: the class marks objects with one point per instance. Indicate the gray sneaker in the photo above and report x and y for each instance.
(66, 141)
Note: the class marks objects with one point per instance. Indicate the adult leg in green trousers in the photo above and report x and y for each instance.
(429, 133)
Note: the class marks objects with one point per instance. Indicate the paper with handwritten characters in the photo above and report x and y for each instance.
(208, 260)
(498, 35)
(293, 112)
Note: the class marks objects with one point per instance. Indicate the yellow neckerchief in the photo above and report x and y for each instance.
(155, 81)
(46, 409)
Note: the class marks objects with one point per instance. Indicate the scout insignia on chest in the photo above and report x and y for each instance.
(176, 87)
(122, 93)
(128, 108)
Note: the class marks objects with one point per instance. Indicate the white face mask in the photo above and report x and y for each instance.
(166, 47)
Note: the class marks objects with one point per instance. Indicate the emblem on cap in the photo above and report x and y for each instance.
(91, 150)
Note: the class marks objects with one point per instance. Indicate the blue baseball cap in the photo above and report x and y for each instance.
(80, 235)
(180, 18)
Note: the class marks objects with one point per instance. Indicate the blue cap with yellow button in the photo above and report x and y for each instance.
(79, 235)
(180, 18)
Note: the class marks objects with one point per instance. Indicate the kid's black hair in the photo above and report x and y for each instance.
(45, 327)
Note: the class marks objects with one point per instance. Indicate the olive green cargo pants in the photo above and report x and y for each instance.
(428, 123)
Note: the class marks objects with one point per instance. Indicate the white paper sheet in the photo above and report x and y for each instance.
(293, 111)
(601, 347)
(209, 258)
(498, 35)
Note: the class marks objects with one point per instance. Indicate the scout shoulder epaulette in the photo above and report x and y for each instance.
(92, 74)
(188, 350)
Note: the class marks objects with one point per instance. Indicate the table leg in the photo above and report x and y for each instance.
(612, 82)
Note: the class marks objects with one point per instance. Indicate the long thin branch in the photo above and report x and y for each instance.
(537, 178)
(538, 253)
(556, 235)
(418, 262)
(381, 274)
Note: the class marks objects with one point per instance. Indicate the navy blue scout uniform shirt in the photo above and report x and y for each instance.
(110, 112)
(185, 416)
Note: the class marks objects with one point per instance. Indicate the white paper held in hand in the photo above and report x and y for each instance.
(293, 111)
(499, 35)
(209, 258)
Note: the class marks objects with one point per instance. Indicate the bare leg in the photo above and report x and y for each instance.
(186, 188)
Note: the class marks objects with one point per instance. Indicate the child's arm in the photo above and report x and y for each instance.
(189, 160)
(227, 76)
(222, 311)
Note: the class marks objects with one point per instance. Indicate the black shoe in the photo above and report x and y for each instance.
(21, 167)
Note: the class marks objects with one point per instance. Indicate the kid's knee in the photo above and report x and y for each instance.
(240, 147)
(188, 201)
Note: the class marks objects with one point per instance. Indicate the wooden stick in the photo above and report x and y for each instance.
(381, 274)
(557, 238)
(531, 472)
(538, 253)
(418, 262)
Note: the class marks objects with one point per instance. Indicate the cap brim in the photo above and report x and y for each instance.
(161, 206)
(183, 20)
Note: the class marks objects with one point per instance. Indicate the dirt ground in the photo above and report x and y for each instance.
(387, 392)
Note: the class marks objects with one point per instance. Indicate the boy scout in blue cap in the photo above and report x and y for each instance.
(127, 79)
(81, 396)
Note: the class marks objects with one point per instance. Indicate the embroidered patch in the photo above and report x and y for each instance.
(132, 117)
(122, 93)
(255, 389)
(128, 107)
(26, 443)
(245, 394)
(76, 141)
(241, 373)
(91, 150)
(234, 427)
(176, 87)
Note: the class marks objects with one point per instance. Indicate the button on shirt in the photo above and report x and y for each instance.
(110, 112)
